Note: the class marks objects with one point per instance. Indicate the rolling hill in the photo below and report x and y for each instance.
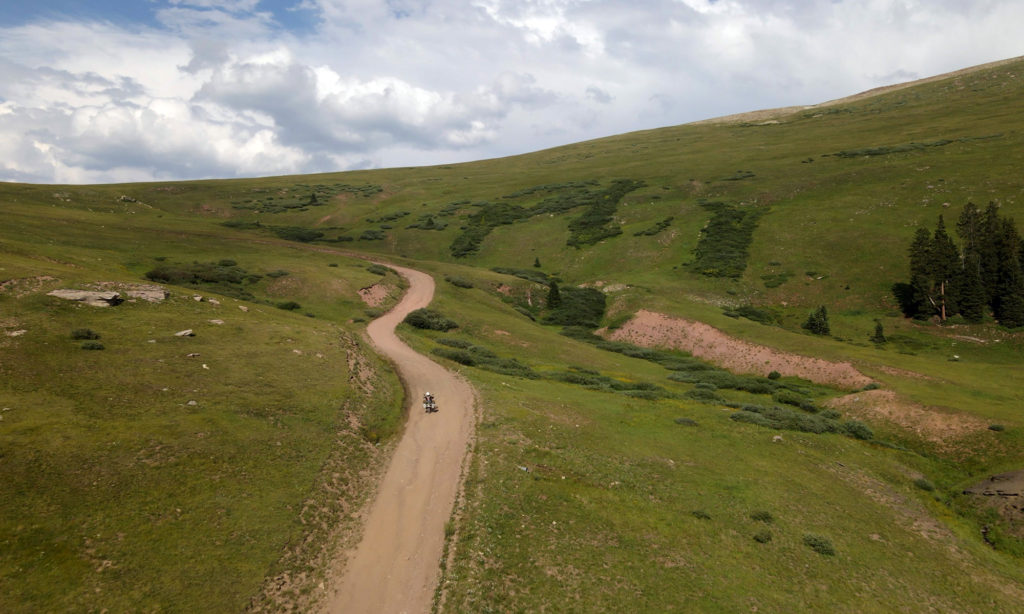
(663, 436)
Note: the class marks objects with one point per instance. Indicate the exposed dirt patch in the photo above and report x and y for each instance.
(929, 423)
(1004, 493)
(374, 295)
(650, 329)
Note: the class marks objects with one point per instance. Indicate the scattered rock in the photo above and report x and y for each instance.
(243, 308)
(191, 403)
(216, 321)
(197, 298)
(213, 301)
(89, 297)
(185, 333)
(777, 438)
(192, 355)
(152, 294)
(16, 333)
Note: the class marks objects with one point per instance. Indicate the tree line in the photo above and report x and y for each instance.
(983, 275)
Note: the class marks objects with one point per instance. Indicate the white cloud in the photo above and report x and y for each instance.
(220, 88)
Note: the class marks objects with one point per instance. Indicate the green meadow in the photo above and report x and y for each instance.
(222, 471)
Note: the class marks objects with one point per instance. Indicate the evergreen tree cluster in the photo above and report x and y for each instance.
(984, 274)
(817, 322)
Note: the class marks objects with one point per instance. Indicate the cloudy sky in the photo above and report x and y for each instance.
(135, 90)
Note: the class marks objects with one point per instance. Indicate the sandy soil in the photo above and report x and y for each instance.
(395, 567)
(374, 295)
(649, 329)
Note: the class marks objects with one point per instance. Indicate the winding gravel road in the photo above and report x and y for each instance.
(395, 568)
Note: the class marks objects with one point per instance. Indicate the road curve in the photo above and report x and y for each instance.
(395, 567)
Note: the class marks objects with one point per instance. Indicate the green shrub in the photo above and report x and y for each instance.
(578, 307)
(428, 319)
(686, 422)
(724, 242)
(762, 516)
(462, 344)
(458, 282)
(288, 305)
(858, 430)
(460, 356)
(378, 269)
(296, 233)
(774, 375)
(924, 484)
(996, 427)
(332, 264)
(819, 544)
(277, 273)
(703, 395)
(373, 235)
(226, 262)
(92, 345)
(763, 537)
(701, 514)
(84, 333)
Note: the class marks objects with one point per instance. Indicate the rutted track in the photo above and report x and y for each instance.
(395, 567)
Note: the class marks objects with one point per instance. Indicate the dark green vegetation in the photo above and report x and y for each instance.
(984, 277)
(606, 476)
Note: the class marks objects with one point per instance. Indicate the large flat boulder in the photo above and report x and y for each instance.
(95, 298)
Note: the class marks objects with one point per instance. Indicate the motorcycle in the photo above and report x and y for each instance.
(429, 403)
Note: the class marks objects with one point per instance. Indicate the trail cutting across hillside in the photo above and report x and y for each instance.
(395, 567)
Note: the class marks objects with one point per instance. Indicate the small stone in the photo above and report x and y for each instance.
(191, 403)
(192, 355)
(197, 298)
(216, 321)
(243, 308)
(185, 333)
(214, 301)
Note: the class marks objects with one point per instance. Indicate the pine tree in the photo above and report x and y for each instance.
(554, 296)
(972, 293)
(879, 336)
(988, 251)
(1008, 305)
(817, 322)
(536, 262)
(920, 275)
(945, 271)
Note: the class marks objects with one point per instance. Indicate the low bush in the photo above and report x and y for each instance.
(458, 282)
(277, 273)
(428, 319)
(288, 305)
(924, 484)
(462, 344)
(701, 514)
(686, 422)
(460, 356)
(762, 516)
(373, 235)
(297, 233)
(858, 430)
(819, 544)
(996, 427)
(703, 395)
(84, 333)
(92, 345)
(763, 537)
(378, 269)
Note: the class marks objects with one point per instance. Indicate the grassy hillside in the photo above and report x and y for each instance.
(598, 481)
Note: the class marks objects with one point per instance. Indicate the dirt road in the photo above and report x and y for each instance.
(395, 568)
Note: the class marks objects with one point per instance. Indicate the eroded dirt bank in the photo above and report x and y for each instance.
(649, 329)
(396, 564)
